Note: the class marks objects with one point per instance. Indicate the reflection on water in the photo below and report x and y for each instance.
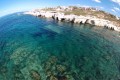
(41, 49)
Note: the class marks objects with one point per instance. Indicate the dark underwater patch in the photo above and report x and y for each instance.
(44, 32)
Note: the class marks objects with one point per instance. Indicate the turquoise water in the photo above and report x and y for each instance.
(34, 48)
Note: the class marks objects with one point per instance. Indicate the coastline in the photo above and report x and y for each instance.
(60, 16)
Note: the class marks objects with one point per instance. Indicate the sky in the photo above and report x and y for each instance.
(11, 6)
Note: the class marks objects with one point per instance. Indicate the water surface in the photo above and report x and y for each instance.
(34, 48)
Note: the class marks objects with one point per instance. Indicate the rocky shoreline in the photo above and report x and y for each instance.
(60, 16)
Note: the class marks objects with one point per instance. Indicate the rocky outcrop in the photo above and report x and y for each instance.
(74, 18)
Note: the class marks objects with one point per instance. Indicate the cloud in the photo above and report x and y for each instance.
(98, 1)
(116, 8)
(83, 5)
(113, 10)
(100, 7)
(116, 1)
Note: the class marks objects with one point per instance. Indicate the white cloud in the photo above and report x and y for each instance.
(116, 8)
(98, 1)
(113, 10)
(83, 5)
(100, 7)
(116, 1)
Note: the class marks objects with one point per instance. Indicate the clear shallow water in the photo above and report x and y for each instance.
(42, 49)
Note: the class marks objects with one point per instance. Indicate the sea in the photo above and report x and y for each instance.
(34, 48)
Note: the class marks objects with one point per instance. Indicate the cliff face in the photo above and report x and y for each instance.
(79, 15)
(85, 12)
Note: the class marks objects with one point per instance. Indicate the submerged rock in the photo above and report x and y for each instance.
(53, 78)
(53, 59)
(62, 78)
(3, 69)
(35, 75)
(60, 68)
